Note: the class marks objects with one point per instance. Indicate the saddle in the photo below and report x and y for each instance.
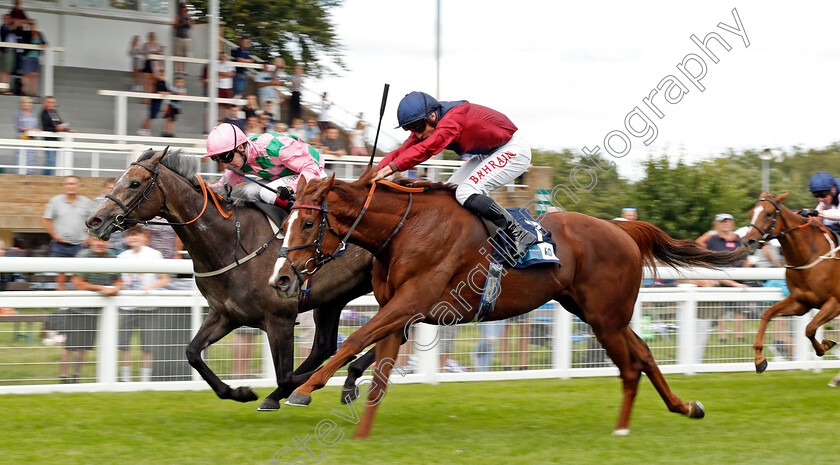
(276, 215)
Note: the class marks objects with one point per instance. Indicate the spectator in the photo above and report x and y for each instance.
(154, 107)
(324, 113)
(18, 14)
(50, 121)
(117, 241)
(183, 44)
(252, 107)
(267, 123)
(358, 146)
(64, 220)
(253, 126)
(31, 65)
(226, 72)
(268, 109)
(81, 323)
(295, 86)
(133, 318)
(297, 129)
(25, 120)
(313, 132)
(242, 55)
(628, 214)
(332, 144)
(9, 58)
(173, 109)
(267, 85)
(151, 68)
(138, 59)
(234, 117)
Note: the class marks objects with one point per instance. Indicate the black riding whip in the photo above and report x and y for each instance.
(381, 114)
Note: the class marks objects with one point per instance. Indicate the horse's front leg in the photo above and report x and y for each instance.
(786, 307)
(390, 319)
(386, 358)
(215, 327)
(827, 312)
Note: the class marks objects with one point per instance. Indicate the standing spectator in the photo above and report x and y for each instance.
(324, 113)
(117, 241)
(226, 72)
(154, 107)
(25, 120)
(173, 109)
(50, 121)
(241, 55)
(9, 59)
(295, 87)
(64, 220)
(313, 132)
(357, 138)
(183, 43)
(133, 318)
(332, 144)
(31, 65)
(151, 67)
(252, 107)
(138, 59)
(267, 85)
(18, 14)
(81, 323)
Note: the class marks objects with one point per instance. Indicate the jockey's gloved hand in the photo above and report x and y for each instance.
(284, 193)
(806, 212)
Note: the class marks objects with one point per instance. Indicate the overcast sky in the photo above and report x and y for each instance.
(568, 73)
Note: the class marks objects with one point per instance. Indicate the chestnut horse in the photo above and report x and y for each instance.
(432, 261)
(813, 269)
(166, 185)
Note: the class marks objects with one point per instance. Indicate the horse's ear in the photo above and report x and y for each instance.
(301, 184)
(781, 198)
(325, 187)
(158, 156)
(764, 195)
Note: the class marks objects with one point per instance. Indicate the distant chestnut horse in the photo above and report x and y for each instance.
(813, 268)
(432, 261)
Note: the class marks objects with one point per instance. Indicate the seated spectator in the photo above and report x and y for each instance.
(252, 107)
(267, 123)
(628, 214)
(173, 109)
(332, 144)
(297, 129)
(234, 117)
(268, 109)
(154, 106)
(253, 126)
(313, 132)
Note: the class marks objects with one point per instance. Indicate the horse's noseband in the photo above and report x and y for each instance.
(319, 258)
(121, 220)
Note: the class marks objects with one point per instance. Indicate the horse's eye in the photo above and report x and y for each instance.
(768, 215)
(135, 184)
(308, 224)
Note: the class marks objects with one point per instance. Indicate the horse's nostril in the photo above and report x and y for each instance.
(283, 282)
(93, 222)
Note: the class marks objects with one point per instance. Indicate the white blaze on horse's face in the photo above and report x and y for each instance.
(756, 213)
(281, 261)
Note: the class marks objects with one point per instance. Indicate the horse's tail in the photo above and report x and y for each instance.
(656, 245)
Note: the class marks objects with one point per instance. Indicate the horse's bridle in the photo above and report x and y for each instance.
(319, 257)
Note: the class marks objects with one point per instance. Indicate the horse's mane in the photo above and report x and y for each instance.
(182, 164)
(365, 178)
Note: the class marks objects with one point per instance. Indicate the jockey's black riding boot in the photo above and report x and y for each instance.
(487, 208)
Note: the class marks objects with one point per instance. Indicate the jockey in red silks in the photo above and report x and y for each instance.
(497, 154)
(278, 158)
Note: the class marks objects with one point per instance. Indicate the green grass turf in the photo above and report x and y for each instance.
(777, 417)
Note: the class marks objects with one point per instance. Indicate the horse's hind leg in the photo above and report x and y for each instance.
(786, 307)
(827, 312)
(642, 353)
(215, 327)
(349, 392)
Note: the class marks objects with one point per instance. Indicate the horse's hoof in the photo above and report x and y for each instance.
(828, 344)
(760, 367)
(269, 405)
(696, 410)
(621, 432)
(298, 399)
(349, 394)
(244, 394)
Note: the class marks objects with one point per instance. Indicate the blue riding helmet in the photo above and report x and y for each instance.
(414, 107)
(821, 181)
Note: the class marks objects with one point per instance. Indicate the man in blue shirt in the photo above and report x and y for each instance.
(241, 55)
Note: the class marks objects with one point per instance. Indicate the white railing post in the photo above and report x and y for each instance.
(94, 164)
(49, 70)
(689, 353)
(65, 156)
(107, 360)
(121, 115)
(803, 352)
(561, 341)
(428, 351)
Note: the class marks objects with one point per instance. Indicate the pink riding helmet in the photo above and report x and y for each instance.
(224, 138)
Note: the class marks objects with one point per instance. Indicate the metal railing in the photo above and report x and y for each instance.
(688, 329)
